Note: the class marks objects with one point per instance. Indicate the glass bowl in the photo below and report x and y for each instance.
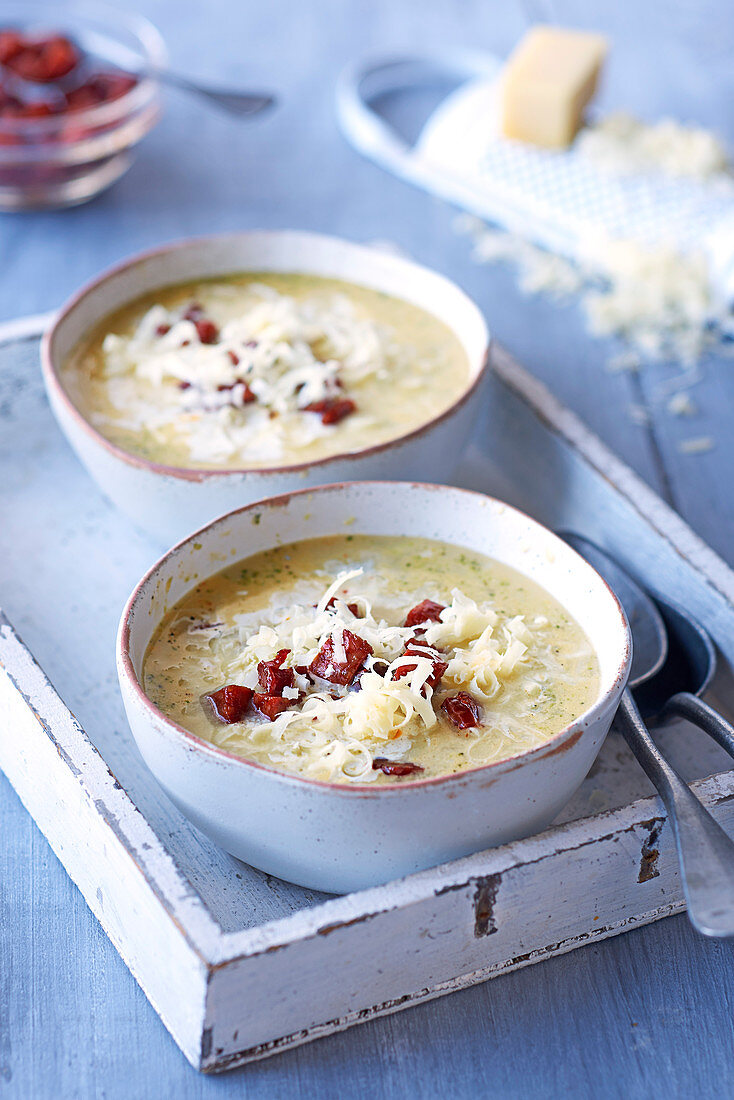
(65, 156)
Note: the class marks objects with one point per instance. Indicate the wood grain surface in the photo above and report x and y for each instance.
(648, 1014)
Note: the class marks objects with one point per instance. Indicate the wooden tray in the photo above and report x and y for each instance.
(240, 965)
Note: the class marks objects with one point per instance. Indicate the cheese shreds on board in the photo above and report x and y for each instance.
(621, 144)
(548, 81)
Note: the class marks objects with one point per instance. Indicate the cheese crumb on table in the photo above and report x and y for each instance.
(700, 445)
(549, 79)
(659, 304)
(680, 404)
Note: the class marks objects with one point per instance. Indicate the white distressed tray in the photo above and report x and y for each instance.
(240, 965)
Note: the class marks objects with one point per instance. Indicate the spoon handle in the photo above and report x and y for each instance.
(685, 705)
(705, 852)
(226, 99)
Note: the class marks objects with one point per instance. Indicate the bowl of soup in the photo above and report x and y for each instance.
(208, 374)
(355, 682)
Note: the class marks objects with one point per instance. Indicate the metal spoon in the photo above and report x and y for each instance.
(237, 103)
(705, 852)
(675, 691)
(234, 102)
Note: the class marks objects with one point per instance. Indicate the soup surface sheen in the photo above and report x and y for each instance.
(263, 370)
(322, 677)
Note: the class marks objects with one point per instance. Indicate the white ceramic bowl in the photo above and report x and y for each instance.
(342, 837)
(171, 501)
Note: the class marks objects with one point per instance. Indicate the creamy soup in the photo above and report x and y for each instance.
(263, 370)
(371, 659)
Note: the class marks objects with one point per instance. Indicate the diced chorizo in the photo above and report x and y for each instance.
(462, 710)
(43, 60)
(206, 330)
(272, 678)
(271, 705)
(102, 88)
(83, 97)
(247, 395)
(415, 648)
(332, 409)
(229, 704)
(326, 665)
(11, 44)
(394, 767)
(424, 612)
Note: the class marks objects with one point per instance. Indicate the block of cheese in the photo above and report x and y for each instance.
(548, 81)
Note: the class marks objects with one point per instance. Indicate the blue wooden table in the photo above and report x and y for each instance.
(647, 1014)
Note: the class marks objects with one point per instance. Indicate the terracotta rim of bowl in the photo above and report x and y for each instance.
(559, 742)
(184, 473)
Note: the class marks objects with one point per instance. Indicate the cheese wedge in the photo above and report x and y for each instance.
(549, 79)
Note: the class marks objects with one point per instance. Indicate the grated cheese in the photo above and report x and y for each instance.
(658, 303)
(653, 297)
(290, 353)
(337, 731)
